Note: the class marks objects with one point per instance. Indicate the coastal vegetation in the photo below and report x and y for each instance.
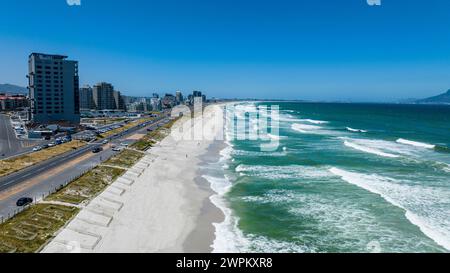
(87, 186)
(28, 231)
(153, 137)
(126, 159)
(126, 127)
(9, 166)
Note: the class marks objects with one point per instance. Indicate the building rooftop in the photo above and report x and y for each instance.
(15, 97)
(48, 56)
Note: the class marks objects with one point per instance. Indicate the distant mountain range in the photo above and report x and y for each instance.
(13, 89)
(440, 99)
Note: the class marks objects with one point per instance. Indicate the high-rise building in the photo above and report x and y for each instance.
(195, 94)
(103, 95)
(120, 103)
(155, 104)
(86, 98)
(168, 101)
(179, 97)
(53, 84)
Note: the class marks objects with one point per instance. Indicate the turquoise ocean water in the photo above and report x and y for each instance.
(345, 178)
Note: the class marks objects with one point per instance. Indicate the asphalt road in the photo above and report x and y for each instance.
(10, 145)
(37, 190)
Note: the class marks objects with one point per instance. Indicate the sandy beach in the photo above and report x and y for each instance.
(160, 205)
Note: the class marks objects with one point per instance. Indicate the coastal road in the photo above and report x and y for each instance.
(10, 145)
(40, 179)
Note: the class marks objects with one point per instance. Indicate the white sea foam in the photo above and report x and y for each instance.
(304, 128)
(446, 168)
(261, 244)
(356, 130)
(275, 137)
(283, 172)
(368, 149)
(257, 154)
(422, 205)
(272, 196)
(228, 237)
(312, 121)
(415, 143)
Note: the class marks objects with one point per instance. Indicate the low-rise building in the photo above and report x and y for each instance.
(13, 102)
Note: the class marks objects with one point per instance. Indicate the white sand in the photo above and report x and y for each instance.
(153, 212)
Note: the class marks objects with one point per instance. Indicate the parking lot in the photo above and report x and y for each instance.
(10, 145)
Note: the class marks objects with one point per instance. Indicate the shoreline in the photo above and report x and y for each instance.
(164, 207)
(202, 237)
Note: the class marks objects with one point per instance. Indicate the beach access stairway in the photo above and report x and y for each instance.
(84, 232)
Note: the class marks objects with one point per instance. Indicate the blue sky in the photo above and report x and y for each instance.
(299, 49)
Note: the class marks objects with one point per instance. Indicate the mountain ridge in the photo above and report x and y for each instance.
(439, 99)
(13, 89)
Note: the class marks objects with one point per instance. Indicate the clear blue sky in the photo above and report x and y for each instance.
(298, 49)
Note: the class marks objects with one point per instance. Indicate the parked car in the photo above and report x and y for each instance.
(97, 150)
(22, 202)
(105, 141)
(124, 144)
(37, 148)
(117, 149)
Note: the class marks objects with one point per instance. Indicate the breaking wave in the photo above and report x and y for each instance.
(433, 221)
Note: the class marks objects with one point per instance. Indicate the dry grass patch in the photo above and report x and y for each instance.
(153, 137)
(126, 159)
(126, 127)
(28, 231)
(10, 166)
(87, 186)
(103, 121)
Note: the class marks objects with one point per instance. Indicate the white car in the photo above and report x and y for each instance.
(117, 149)
(36, 149)
(105, 141)
(124, 144)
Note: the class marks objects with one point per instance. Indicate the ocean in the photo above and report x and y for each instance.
(345, 178)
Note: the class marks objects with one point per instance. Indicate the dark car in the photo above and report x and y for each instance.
(22, 202)
(97, 150)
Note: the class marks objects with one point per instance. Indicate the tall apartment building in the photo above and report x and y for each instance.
(103, 95)
(179, 97)
(53, 84)
(120, 102)
(86, 98)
